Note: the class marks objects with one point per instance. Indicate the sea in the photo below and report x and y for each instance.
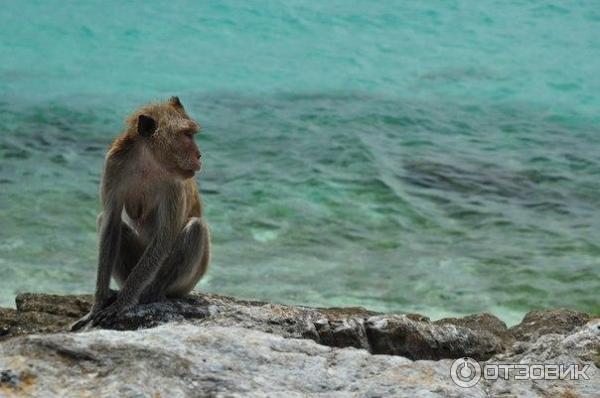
(440, 157)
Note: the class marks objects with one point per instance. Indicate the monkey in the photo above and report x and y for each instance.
(153, 239)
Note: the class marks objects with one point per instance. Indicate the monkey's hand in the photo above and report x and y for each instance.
(98, 306)
(108, 316)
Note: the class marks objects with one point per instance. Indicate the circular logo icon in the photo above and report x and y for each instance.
(465, 372)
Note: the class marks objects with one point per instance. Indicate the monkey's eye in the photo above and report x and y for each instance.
(188, 134)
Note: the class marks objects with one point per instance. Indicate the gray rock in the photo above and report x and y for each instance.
(575, 346)
(182, 360)
(411, 335)
(210, 345)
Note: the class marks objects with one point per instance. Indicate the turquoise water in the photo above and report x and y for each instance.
(439, 157)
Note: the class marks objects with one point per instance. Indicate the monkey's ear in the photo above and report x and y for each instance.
(175, 102)
(146, 126)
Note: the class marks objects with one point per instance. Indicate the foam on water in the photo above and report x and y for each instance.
(400, 157)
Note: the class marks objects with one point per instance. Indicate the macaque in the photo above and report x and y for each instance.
(153, 239)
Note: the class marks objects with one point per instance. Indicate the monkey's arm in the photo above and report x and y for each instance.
(147, 267)
(110, 239)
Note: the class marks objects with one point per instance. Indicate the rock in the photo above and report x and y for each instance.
(399, 335)
(572, 346)
(68, 306)
(348, 332)
(211, 345)
(184, 359)
(14, 323)
(484, 323)
(188, 360)
(413, 335)
(540, 322)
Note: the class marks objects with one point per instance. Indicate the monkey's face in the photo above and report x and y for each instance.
(184, 150)
(170, 133)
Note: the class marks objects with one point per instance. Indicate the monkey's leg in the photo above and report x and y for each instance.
(185, 265)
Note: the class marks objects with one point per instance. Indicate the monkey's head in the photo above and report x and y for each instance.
(169, 133)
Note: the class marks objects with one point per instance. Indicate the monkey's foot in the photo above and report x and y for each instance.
(152, 298)
(108, 316)
(81, 323)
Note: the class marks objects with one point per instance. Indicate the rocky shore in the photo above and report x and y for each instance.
(210, 345)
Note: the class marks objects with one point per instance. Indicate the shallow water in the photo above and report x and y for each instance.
(440, 159)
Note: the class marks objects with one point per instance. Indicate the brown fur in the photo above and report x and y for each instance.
(153, 239)
(168, 114)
